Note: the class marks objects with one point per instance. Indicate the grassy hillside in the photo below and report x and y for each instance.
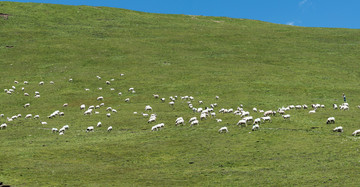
(247, 62)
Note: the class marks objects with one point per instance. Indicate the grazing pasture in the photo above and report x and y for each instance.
(121, 86)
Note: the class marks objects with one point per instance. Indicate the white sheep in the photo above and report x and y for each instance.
(171, 103)
(28, 116)
(26, 94)
(90, 129)
(148, 107)
(312, 111)
(162, 99)
(66, 126)
(195, 122)
(203, 116)
(3, 126)
(287, 116)
(335, 106)
(127, 100)
(43, 122)
(99, 124)
(107, 82)
(156, 96)
(266, 118)
(108, 115)
(223, 129)
(54, 130)
(355, 133)
(65, 105)
(100, 98)
(268, 113)
(192, 119)
(330, 120)
(218, 120)
(41, 83)
(242, 122)
(338, 129)
(82, 107)
(109, 128)
(26, 105)
(255, 127)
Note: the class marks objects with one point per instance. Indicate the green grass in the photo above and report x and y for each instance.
(247, 62)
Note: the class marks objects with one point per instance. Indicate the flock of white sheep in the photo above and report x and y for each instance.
(202, 112)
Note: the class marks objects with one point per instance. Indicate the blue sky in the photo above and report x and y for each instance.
(307, 13)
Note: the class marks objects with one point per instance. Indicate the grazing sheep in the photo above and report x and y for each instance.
(3, 126)
(266, 118)
(148, 107)
(54, 130)
(179, 120)
(242, 122)
(90, 129)
(305, 106)
(97, 76)
(195, 122)
(109, 128)
(216, 97)
(37, 96)
(287, 116)
(28, 116)
(330, 120)
(26, 94)
(203, 116)
(257, 121)
(107, 82)
(223, 129)
(338, 129)
(335, 106)
(312, 111)
(70, 80)
(162, 99)
(82, 107)
(87, 89)
(192, 119)
(355, 133)
(108, 115)
(127, 100)
(88, 112)
(255, 109)
(268, 113)
(298, 107)
(99, 124)
(171, 103)
(255, 127)
(218, 120)
(248, 118)
(156, 96)
(51, 82)
(26, 105)
(41, 83)
(36, 117)
(100, 98)
(66, 126)
(43, 122)
(108, 108)
(26, 82)
(65, 105)
(61, 133)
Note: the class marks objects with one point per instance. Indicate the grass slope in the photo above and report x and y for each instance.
(247, 62)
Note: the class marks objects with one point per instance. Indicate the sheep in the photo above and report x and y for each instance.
(255, 109)
(26, 94)
(108, 115)
(97, 76)
(51, 82)
(202, 116)
(28, 116)
(248, 118)
(192, 119)
(99, 124)
(100, 88)
(195, 122)
(156, 96)
(255, 127)
(287, 116)
(127, 100)
(70, 80)
(41, 83)
(87, 89)
(223, 129)
(216, 97)
(65, 105)
(36, 117)
(218, 120)
(312, 111)
(37, 96)
(171, 103)
(61, 133)
(109, 128)
(213, 114)
(131, 89)
(61, 114)
(43, 122)
(62, 130)
(305, 106)
(145, 115)
(179, 120)
(281, 112)
(267, 113)
(242, 122)
(298, 107)
(54, 130)
(338, 129)
(100, 98)
(82, 107)
(102, 104)
(245, 113)
(330, 120)
(96, 112)
(88, 112)
(2, 115)
(344, 107)
(257, 121)
(90, 129)
(107, 82)
(355, 133)
(26, 105)
(26, 82)
(266, 118)
(114, 111)
(162, 99)
(66, 126)
(148, 107)
(97, 106)
(3, 126)
(108, 108)
(22, 89)
(119, 93)
(335, 106)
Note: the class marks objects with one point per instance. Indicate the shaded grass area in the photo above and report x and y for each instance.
(247, 62)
